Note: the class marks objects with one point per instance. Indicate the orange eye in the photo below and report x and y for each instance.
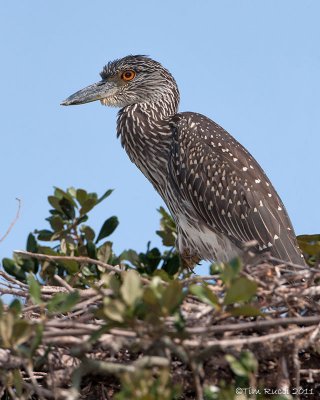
(128, 75)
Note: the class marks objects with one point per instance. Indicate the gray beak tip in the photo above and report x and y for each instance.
(69, 101)
(94, 92)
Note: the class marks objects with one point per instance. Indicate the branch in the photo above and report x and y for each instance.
(13, 222)
(80, 260)
(212, 345)
(256, 325)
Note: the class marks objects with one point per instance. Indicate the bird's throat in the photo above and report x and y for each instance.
(146, 136)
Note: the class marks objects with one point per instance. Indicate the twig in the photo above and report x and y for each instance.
(283, 379)
(211, 345)
(197, 383)
(34, 382)
(47, 394)
(90, 366)
(151, 361)
(63, 283)
(256, 325)
(9, 278)
(297, 266)
(14, 292)
(80, 260)
(296, 364)
(13, 222)
(70, 332)
(195, 279)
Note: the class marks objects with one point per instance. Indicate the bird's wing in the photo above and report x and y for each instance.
(227, 188)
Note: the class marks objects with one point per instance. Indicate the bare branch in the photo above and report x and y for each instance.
(13, 222)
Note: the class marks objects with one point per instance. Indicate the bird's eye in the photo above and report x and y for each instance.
(128, 75)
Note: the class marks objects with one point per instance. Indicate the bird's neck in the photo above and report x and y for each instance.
(146, 136)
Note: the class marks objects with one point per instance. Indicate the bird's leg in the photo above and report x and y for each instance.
(189, 260)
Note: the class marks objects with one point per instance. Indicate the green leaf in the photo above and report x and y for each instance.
(215, 269)
(81, 219)
(171, 265)
(34, 289)
(63, 302)
(105, 195)
(107, 228)
(61, 194)
(18, 382)
(81, 196)
(13, 269)
(47, 250)
(44, 234)
(236, 366)
(309, 244)
(71, 266)
(6, 327)
(150, 260)
(56, 223)
(91, 250)
(105, 252)
(309, 238)
(115, 310)
(245, 365)
(150, 297)
(88, 205)
(242, 289)
(230, 270)
(55, 203)
(37, 338)
(88, 232)
(113, 282)
(28, 265)
(131, 256)
(21, 332)
(131, 289)
(205, 294)
(249, 360)
(168, 230)
(246, 310)
(32, 245)
(72, 191)
(172, 297)
(68, 208)
(9, 265)
(163, 275)
(15, 307)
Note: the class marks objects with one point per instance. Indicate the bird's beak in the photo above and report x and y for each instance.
(97, 91)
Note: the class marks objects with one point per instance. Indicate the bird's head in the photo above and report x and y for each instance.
(129, 80)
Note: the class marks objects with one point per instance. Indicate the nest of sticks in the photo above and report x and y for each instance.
(79, 355)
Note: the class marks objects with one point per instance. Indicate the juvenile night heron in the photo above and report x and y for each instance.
(217, 193)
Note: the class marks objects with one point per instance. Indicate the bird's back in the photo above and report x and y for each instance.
(224, 187)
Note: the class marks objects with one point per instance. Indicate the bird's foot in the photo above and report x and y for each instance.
(189, 261)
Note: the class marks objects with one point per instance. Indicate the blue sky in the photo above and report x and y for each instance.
(253, 67)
